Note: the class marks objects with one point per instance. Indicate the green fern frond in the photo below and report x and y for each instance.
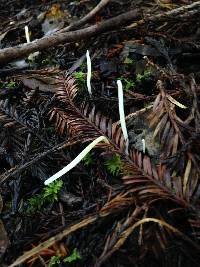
(114, 165)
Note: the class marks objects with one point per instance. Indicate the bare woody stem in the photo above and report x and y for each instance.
(9, 54)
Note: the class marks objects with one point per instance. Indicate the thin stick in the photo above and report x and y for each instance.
(135, 114)
(87, 18)
(176, 13)
(19, 168)
(179, 13)
(11, 53)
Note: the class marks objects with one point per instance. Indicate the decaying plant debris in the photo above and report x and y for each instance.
(117, 207)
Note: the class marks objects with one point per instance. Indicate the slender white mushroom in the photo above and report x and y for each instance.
(122, 115)
(143, 146)
(32, 56)
(76, 160)
(27, 34)
(89, 72)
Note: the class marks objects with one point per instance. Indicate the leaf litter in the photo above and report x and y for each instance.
(121, 205)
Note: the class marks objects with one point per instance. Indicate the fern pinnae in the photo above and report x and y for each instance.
(121, 114)
(74, 162)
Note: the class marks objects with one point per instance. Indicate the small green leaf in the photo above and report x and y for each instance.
(73, 257)
(11, 85)
(48, 194)
(114, 165)
(80, 78)
(54, 261)
(88, 159)
(52, 190)
(141, 77)
(128, 84)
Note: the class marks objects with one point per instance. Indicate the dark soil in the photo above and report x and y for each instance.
(43, 128)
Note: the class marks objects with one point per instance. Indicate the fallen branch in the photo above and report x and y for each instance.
(178, 13)
(9, 54)
(88, 17)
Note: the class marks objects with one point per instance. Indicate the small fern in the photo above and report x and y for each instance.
(140, 78)
(35, 203)
(114, 165)
(57, 259)
(88, 160)
(80, 78)
(52, 190)
(48, 194)
(54, 261)
(73, 257)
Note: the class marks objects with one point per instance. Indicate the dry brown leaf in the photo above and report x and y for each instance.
(186, 176)
(175, 102)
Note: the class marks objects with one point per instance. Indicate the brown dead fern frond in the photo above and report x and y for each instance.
(174, 133)
(145, 183)
(166, 122)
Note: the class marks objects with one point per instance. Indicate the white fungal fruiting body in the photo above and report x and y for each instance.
(143, 146)
(76, 160)
(32, 56)
(121, 114)
(89, 72)
(27, 34)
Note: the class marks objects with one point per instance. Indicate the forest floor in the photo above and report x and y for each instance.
(134, 198)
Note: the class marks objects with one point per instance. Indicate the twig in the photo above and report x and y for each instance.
(176, 13)
(182, 12)
(11, 53)
(54, 239)
(135, 114)
(88, 17)
(19, 168)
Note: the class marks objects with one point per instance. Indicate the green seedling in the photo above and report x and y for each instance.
(48, 195)
(10, 85)
(114, 165)
(73, 257)
(54, 261)
(80, 78)
(35, 203)
(141, 77)
(51, 191)
(128, 84)
(88, 160)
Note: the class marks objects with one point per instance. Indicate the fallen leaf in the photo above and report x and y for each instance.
(175, 102)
